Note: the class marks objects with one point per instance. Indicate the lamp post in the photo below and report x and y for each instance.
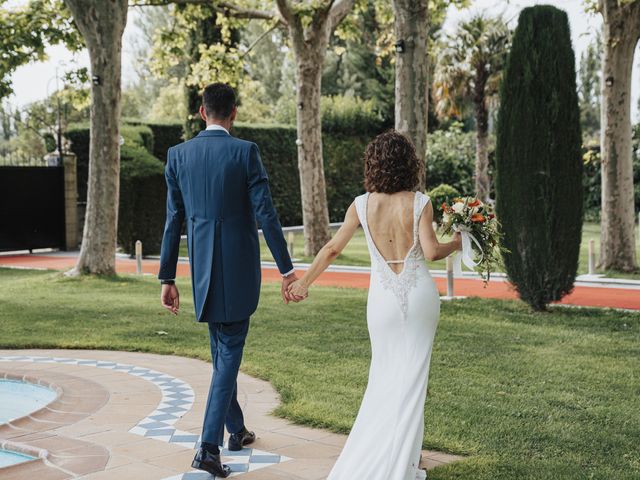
(58, 112)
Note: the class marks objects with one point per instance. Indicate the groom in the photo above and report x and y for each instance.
(219, 185)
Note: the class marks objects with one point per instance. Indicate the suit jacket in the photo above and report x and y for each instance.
(219, 185)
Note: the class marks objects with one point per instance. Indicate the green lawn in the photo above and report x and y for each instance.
(526, 396)
(356, 252)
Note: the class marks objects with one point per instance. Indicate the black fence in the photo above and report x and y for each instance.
(12, 159)
(32, 205)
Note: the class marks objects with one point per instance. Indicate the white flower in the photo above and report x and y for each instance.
(458, 207)
(446, 218)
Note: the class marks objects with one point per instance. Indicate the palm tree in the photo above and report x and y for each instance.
(468, 71)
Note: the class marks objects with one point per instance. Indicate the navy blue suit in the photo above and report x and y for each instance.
(217, 183)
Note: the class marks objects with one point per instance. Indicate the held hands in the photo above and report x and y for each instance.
(298, 289)
(287, 295)
(170, 298)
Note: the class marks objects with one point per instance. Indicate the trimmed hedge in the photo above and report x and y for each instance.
(165, 135)
(343, 163)
(78, 134)
(143, 191)
(143, 194)
(343, 168)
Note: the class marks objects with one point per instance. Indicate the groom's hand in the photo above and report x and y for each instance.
(170, 298)
(286, 296)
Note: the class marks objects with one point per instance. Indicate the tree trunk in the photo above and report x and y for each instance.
(621, 30)
(101, 24)
(412, 73)
(483, 183)
(315, 213)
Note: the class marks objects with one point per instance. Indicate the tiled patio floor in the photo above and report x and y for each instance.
(122, 415)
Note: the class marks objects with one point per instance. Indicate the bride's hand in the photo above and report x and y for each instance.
(457, 238)
(299, 290)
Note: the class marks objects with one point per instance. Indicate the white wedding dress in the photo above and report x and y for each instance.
(402, 315)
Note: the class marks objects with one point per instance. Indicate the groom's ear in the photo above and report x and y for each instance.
(234, 113)
(203, 114)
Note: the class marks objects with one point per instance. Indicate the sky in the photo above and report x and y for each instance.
(35, 81)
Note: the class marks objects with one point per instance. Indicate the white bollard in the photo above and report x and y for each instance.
(450, 276)
(291, 237)
(592, 257)
(138, 257)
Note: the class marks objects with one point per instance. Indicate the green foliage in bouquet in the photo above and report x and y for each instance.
(538, 159)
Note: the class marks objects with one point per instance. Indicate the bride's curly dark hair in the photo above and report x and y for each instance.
(391, 164)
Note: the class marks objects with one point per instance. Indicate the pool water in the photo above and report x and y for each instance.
(8, 458)
(18, 399)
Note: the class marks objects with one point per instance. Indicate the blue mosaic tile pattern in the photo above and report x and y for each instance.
(246, 460)
(177, 400)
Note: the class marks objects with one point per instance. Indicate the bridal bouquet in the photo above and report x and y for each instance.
(478, 227)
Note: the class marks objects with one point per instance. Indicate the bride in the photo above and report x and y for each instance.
(403, 309)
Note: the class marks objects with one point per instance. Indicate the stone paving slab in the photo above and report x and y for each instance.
(142, 417)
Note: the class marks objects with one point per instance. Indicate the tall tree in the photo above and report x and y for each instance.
(412, 72)
(589, 88)
(538, 159)
(621, 32)
(310, 27)
(469, 70)
(27, 30)
(102, 24)
(208, 43)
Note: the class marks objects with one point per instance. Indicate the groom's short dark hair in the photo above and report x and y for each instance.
(218, 100)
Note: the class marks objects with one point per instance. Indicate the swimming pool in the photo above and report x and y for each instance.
(8, 458)
(18, 399)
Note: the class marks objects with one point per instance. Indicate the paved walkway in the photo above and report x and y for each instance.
(591, 292)
(126, 416)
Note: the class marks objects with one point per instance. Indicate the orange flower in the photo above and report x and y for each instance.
(444, 206)
(478, 218)
(475, 203)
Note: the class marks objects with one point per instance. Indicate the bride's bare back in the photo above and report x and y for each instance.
(390, 220)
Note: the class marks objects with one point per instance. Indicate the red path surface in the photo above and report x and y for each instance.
(582, 295)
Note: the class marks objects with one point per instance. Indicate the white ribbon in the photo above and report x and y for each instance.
(466, 255)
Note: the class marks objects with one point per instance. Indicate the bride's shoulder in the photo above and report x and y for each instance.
(423, 196)
(360, 198)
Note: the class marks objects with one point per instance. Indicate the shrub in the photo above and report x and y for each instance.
(591, 183)
(443, 193)
(340, 114)
(141, 212)
(451, 159)
(350, 116)
(538, 159)
(591, 180)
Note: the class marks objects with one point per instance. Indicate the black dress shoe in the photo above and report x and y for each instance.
(210, 462)
(239, 440)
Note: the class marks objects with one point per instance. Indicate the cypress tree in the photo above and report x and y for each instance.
(538, 159)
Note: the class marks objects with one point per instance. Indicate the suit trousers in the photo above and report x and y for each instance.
(223, 409)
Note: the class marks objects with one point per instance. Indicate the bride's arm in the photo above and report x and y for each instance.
(328, 253)
(431, 247)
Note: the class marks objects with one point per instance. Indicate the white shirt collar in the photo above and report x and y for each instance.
(214, 126)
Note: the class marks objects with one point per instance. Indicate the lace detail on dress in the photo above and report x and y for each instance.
(401, 283)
